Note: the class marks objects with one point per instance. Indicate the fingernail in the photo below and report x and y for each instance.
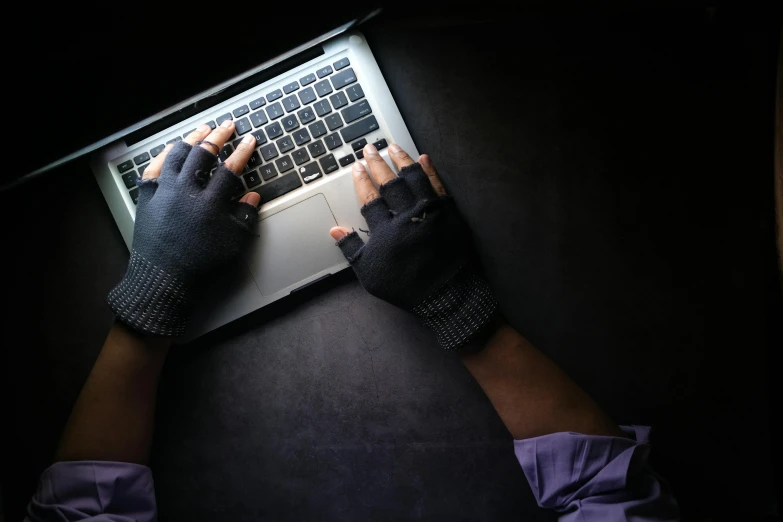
(425, 161)
(370, 149)
(394, 148)
(338, 234)
(203, 128)
(358, 167)
(248, 139)
(226, 124)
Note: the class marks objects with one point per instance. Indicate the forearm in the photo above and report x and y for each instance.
(532, 396)
(114, 415)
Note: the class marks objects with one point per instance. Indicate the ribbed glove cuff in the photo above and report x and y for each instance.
(458, 310)
(150, 300)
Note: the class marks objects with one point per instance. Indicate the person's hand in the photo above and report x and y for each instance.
(419, 255)
(187, 223)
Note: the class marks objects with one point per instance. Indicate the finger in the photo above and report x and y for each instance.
(153, 171)
(399, 156)
(251, 198)
(218, 137)
(380, 170)
(238, 159)
(351, 246)
(364, 185)
(338, 233)
(201, 132)
(429, 170)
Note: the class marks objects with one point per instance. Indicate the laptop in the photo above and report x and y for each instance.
(311, 109)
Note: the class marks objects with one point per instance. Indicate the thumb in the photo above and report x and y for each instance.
(349, 242)
(338, 233)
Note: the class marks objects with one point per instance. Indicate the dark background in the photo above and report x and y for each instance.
(616, 166)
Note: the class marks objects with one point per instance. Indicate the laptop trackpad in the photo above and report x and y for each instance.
(293, 245)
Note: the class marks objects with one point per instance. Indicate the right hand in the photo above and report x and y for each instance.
(419, 255)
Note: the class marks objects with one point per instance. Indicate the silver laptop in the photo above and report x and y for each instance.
(311, 122)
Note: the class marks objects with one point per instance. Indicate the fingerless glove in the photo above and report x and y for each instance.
(420, 257)
(187, 224)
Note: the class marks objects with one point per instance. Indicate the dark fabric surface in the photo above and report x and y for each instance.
(620, 191)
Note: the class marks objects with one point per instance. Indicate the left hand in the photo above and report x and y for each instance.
(187, 224)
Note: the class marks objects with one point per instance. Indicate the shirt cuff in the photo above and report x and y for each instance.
(590, 478)
(95, 491)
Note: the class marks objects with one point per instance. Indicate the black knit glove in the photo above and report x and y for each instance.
(186, 225)
(420, 257)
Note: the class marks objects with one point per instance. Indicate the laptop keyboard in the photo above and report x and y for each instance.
(296, 129)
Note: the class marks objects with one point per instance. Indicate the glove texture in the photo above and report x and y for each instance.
(187, 224)
(420, 257)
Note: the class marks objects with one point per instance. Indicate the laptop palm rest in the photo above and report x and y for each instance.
(293, 244)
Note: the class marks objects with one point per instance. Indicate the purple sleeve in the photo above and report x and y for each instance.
(588, 478)
(94, 491)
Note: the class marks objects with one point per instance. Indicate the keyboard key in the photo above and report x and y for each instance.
(310, 172)
(157, 150)
(354, 92)
(360, 128)
(268, 171)
(317, 129)
(251, 179)
(257, 104)
(338, 100)
(254, 161)
(212, 124)
(278, 187)
(290, 122)
(129, 178)
(380, 144)
(301, 136)
(356, 111)
(186, 134)
(258, 118)
(316, 148)
(260, 137)
(307, 96)
(268, 152)
(144, 157)
(134, 194)
(359, 154)
(306, 115)
(274, 130)
(221, 119)
(307, 80)
(347, 160)
(333, 141)
(324, 71)
(329, 164)
(243, 126)
(291, 103)
(173, 140)
(284, 163)
(344, 78)
(359, 145)
(125, 166)
(291, 87)
(333, 121)
(300, 156)
(323, 88)
(240, 111)
(274, 111)
(272, 96)
(322, 107)
(285, 144)
(225, 152)
(341, 64)
(142, 169)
